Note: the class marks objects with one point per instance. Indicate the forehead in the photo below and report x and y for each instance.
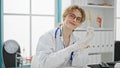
(77, 13)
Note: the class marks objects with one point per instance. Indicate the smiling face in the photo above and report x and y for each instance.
(73, 19)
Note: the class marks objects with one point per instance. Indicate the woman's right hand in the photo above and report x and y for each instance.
(85, 43)
(80, 45)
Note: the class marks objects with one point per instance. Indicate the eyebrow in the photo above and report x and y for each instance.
(75, 15)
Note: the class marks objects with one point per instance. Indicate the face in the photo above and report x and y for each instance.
(73, 20)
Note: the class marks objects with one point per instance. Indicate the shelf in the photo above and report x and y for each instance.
(98, 53)
(97, 6)
(96, 29)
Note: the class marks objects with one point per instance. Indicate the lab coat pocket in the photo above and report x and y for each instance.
(80, 59)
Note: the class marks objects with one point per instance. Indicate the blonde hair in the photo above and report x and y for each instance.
(71, 9)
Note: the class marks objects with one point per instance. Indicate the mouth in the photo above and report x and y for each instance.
(72, 23)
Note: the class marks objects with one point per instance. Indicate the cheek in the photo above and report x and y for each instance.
(66, 20)
(79, 24)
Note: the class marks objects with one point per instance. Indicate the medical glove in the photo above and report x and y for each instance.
(89, 37)
(80, 45)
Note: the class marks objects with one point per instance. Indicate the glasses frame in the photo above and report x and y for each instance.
(73, 16)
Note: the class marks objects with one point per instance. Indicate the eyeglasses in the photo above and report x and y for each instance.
(73, 16)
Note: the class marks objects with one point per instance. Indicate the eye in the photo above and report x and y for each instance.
(79, 19)
(72, 16)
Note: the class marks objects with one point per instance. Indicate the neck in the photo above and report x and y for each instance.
(66, 32)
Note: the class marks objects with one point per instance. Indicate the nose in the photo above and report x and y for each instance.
(75, 19)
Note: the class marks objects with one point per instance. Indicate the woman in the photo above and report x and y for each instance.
(56, 48)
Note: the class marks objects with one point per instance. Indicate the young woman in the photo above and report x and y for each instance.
(57, 48)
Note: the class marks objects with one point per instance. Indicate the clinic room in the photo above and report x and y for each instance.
(60, 34)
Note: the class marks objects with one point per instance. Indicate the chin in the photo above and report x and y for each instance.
(72, 28)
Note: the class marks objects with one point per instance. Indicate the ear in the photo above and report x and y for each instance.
(64, 17)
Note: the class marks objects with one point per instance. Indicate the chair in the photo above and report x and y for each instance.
(10, 51)
(117, 51)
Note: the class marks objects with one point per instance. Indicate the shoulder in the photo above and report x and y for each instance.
(49, 34)
(46, 40)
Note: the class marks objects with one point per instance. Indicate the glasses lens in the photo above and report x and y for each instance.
(78, 19)
(73, 16)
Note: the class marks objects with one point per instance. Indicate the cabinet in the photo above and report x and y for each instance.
(100, 14)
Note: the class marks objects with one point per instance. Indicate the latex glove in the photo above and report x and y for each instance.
(81, 45)
(90, 34)
(85, 43)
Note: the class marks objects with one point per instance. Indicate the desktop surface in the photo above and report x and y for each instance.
(98, 66)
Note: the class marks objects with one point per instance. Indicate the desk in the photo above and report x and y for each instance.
(98, 66)
(25, 66)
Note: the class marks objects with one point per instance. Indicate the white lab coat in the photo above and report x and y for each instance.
(52, 54)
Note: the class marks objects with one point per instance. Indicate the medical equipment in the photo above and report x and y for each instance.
(58, 29)
(71, 57)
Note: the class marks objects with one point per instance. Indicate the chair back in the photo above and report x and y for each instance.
(117, 51)
(9, 50)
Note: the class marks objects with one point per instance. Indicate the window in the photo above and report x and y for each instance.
(17, 28)
(118, 30)
(118, 21)
(16, 6)
(118, 8)
(39, 27)
(42, 7)
(25, 21)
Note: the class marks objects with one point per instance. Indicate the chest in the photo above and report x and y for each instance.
(66, 41)
(61, 44)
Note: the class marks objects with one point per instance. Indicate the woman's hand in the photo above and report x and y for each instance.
(80, 45)
(85, 43)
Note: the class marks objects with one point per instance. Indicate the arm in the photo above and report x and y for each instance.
(48, 58)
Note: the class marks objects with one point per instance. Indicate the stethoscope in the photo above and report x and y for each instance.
(56, 31)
